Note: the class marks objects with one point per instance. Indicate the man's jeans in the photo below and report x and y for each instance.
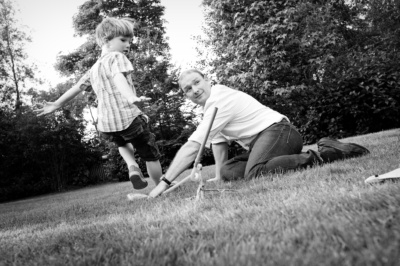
(276, 149)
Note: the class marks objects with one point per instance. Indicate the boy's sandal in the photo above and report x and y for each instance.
(136, 177)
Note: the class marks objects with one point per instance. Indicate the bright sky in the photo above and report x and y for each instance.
(50, 24)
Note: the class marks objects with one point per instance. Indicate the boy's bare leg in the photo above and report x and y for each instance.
(128, 153)
(135, 175)
(154, 170)
(153, 167)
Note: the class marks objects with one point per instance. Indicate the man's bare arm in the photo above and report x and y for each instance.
(220, 152)
(185, 156)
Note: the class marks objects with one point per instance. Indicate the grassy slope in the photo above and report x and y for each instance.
(322, 215)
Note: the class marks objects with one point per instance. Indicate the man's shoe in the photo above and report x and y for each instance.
(136, 177)
(332, 150)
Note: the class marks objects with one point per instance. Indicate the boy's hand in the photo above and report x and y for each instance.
(139, 99)
(47, 108)
(144, 98)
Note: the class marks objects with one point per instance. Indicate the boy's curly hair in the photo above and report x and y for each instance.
(110, 28)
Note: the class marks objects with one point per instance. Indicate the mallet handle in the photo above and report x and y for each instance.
(198, 157)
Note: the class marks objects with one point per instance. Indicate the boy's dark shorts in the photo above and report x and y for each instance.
(139, 135)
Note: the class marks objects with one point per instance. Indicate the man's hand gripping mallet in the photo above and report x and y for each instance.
(197, 160)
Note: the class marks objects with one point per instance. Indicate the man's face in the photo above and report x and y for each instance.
(196, 88)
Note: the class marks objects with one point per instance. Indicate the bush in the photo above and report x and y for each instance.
(364, 102)
(41, 155)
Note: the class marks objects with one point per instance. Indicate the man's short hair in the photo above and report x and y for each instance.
(110, 28)
(187, 72)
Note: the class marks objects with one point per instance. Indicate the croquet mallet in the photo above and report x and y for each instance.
(198, 157)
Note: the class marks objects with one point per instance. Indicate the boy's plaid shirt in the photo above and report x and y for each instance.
(114, 111)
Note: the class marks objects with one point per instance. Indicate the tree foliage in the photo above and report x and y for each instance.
(42, 154)
(315, 61)
(14, 70)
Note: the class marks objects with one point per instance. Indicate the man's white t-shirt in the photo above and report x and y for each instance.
(239, 118)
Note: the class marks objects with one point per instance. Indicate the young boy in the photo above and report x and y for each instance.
(119, 119)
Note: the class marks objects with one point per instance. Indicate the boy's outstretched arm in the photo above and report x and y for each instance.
(122, 84)
(49, 107)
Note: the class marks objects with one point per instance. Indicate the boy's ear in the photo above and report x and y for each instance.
(182, 93)
(106, 41)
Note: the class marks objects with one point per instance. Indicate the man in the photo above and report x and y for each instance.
(273, 143)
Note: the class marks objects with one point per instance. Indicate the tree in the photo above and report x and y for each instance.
(13, 68)
(311, 60)
(264, 46)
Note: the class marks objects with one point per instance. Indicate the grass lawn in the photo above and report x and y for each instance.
(324, 215)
